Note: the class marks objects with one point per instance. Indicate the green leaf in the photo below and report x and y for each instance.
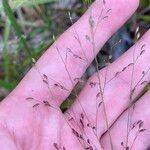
(87, 1)
(15, 4)
(144, 3)
(15, 25)
(7, 85)
(6, 62)
(145, 18)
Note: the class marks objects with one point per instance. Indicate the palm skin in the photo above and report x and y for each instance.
(30, 117)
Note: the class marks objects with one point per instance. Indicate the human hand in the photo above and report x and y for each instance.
(100, 118)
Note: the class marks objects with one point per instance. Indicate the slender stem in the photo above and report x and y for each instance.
(101, 91)
(130, 98)
(134, 140)
(75, 89)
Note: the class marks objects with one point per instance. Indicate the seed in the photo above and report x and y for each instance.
(45, 76)
(36, 105)
(55, 145)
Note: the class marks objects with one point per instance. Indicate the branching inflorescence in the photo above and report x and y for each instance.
(78, 126)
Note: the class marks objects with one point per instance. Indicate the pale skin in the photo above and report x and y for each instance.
(25, 125)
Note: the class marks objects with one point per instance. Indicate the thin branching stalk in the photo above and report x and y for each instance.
(133, 88)
(101, 92)
(93, 44)
(78, 39)
(75, 89)
(45, 80)
(100, 18)
(46, 103)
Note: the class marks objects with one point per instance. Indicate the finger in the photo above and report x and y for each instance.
(139, 129)
(70, 55)
(117, 89)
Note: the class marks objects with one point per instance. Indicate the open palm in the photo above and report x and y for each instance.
(103, 115)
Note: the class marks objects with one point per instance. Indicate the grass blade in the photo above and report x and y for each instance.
(15, 4)
(16, 27)
(5, 51)
(7, 85)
